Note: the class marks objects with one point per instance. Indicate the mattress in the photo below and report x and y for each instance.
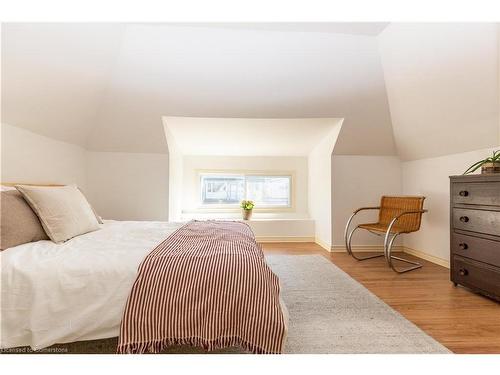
(58, 293)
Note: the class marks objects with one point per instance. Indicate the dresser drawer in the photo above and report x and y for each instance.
(480, 249)
(480, 221)
(476, 275)
(479, 193)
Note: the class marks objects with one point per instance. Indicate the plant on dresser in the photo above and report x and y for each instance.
(488, 165)
(475, 233)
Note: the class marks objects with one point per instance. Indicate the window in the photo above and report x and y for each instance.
(222, 189)
(267, 191)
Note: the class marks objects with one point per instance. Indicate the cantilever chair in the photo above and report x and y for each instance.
(397, 215)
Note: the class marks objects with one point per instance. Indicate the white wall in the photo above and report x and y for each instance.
(32, 158)
(122, 186)
(295, 164)
(320, 197)
(442, 82)
(175, 173)
(429, 177)
(360, 181)
(283, 230)
(128, 186)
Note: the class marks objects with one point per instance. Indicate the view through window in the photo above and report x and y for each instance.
(230, 189)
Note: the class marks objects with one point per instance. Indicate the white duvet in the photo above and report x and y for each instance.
(57, 293)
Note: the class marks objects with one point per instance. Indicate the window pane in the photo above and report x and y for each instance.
(269, 190)
(222, 189)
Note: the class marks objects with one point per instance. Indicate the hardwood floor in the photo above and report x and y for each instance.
(462, 321)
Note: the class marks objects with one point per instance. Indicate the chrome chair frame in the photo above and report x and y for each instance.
(388, 245)
(348, 236)
(388, 241)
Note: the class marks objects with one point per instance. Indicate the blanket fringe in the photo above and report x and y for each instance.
(158, 346)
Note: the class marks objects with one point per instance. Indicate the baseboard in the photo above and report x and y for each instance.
(322, 244)
(284, 239)
(364, 248)
(404, 249)
(431, 258)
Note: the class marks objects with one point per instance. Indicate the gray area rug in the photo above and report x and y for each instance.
(332, 313)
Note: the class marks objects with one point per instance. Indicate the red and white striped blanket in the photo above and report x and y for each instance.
(206, 285)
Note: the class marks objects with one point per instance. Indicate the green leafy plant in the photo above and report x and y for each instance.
(492, 159)
(247, 205)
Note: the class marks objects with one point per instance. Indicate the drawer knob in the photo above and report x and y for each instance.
(463, 193)
(464, 219)
(463, 272)
(463, 246)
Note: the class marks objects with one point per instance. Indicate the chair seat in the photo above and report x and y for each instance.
(378, 227)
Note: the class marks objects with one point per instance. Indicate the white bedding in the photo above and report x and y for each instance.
(57, 293)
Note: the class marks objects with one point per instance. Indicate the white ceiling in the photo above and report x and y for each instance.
(107, 86)
(54, 76)
(443, 87)
(354, 28)
(248, 137)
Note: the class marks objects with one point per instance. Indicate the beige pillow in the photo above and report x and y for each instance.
(63, 210)
(99, 219)
(18, 222)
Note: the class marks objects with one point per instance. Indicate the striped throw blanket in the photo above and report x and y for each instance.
(206, 285)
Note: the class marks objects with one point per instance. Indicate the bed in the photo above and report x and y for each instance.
(59, 293)
(77, 290)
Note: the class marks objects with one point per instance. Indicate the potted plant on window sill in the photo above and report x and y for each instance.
(488, 165)
(247, 207)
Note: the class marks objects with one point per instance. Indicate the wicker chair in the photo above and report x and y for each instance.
(397, 215)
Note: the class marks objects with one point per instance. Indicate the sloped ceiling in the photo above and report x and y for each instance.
(54, 76)
(443, 87)
(248, 137)
(107, 86)
(353, 28)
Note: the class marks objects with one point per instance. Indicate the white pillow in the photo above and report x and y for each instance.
(63, 210)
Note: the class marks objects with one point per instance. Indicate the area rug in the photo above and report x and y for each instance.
(332, 313)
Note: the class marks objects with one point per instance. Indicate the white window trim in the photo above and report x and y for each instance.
(236, 207)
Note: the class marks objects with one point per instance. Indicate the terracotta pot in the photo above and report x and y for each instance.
(247, 214)
(489, 168)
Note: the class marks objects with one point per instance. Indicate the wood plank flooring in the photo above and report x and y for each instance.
(462, 321)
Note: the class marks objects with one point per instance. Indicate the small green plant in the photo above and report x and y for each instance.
(247, 205)
(492, 159)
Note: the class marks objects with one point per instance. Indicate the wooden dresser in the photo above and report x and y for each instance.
(475, 233)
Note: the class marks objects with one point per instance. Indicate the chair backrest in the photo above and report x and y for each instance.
(390, 207)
